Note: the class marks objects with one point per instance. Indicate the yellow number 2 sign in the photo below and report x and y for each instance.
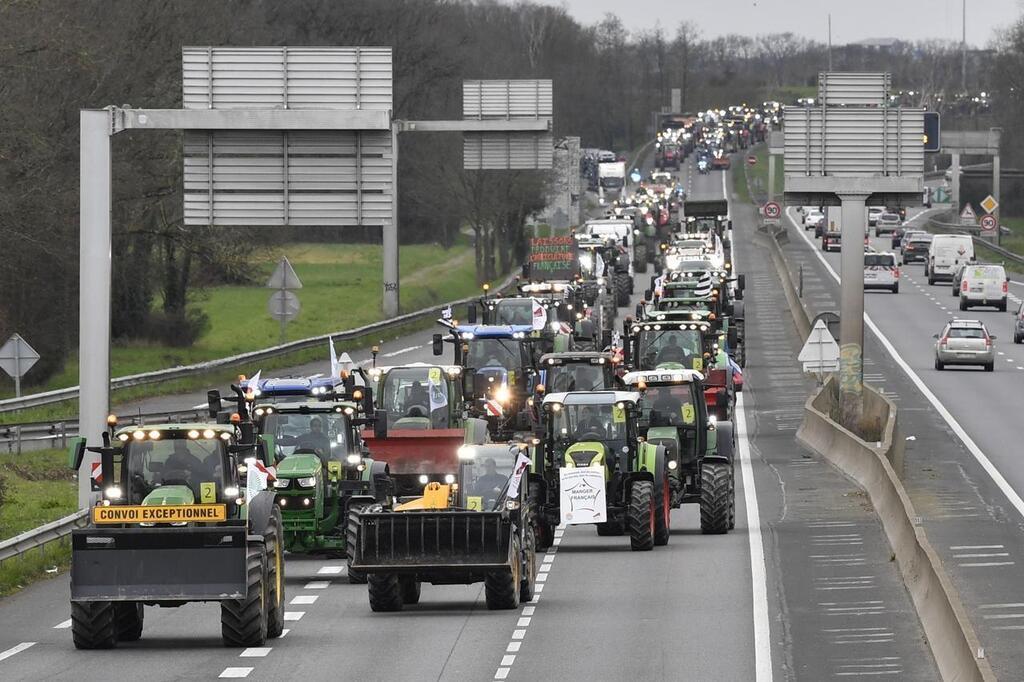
(207, 492)
(688, 413)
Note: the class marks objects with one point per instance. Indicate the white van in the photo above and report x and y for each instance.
(984, 284)
(881, 272)
(946, 252)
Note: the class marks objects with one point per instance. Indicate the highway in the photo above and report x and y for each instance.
(962, 467)
(803, 588)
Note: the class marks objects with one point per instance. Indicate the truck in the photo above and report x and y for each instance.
(611, 178)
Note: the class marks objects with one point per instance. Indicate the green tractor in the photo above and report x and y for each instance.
(476, 526)
(323, 470)
(183, 516)
(591, 466)
(699, 448)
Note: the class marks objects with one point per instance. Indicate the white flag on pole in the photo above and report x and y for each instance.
(540, 316)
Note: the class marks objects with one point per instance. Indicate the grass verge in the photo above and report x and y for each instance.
(34, 490)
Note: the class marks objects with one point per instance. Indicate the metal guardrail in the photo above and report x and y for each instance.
(59, 432)
(62, 394)
(39, 537)
(978, 241)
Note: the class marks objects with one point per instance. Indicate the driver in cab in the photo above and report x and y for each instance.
(315, 440)
(589, 423)
(673, 352)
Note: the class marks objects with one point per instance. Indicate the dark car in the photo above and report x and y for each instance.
(1018, 325)
(916, 250)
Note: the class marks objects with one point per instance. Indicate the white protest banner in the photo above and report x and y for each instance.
(582, 495)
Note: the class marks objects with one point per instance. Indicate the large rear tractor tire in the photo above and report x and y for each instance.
(385, 590)
(243, 622)
(93, 625)
(351, 533)
(622, 284)
(640, 258)
(641, 516)
(410, 589)
(663, 515)
(128, 616)
(715, 489)
(275, 576)
(501, 588)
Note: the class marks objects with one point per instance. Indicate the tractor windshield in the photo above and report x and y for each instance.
(495, 353)
(173, 460)
(415, 398)
(575, 423)
(514, 311)
(325, 433)
(674, 405)
(682, 346)
(576, 377)
(486, 477)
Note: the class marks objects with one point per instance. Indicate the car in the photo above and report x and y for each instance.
(873, 213)
(916, 249)
(832, 240)
(813, 219)
(887, 223)
(964, 342)
(881, 272)
(905, 235)
(1018, 325)
(983, 284)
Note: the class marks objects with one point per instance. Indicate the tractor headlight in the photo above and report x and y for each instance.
(231, 491)
(449, 478)
(424, 479)
(282, 483)
(673, 465)
(113, 492)
(511, 505)
(467, 452)
(306, 481)
(354, 458)
(503, 395)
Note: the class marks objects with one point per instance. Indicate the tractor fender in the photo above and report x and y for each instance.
(721, 450)
(260, 510)
(737, 309)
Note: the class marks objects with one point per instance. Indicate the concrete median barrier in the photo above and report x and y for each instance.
(873, 466)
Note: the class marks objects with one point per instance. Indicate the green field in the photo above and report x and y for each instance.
(35, 489)
(341, 290)
(1012, 242)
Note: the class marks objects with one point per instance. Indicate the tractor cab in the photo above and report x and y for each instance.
(419, 396)
(578, 371)
(653, 344)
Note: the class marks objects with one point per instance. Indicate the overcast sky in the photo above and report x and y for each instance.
(852, 20)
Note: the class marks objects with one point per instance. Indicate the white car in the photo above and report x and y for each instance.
(813, 219)
(887, 223)
(984, 284)
(881, 271)
(873, 213)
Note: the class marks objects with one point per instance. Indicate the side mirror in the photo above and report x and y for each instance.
(213, 403)
(467, 382)
(741, 282)
(648, 295)
(437, 344)
(993, 337)
(380, 424)
(76, 453)
(935, 336)
(367, 400)
(639, 310)
(471, 313)
(733, 338)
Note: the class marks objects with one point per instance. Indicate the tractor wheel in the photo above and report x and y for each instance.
(732, 499)
(663, 516)
(610, 528)
(385, 590)
(640, 258)
(93, 625)
(243, 622)
(501, 588)
(714, 498)
(351, 528)
(529, 576)
(128, 617)
(410, 589)
(275, 576)
(622, 284)
(641, 516)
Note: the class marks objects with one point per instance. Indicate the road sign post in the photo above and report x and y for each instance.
(283, 305)
(772, 211)
(17, 358)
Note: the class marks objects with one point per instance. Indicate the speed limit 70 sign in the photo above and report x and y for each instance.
(772, 210)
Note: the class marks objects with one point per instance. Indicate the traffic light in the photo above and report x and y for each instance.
(932, 143)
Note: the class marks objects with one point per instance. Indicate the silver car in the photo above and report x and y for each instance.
(964, 342)
(1018, 325)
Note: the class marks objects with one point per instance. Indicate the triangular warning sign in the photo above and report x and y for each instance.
(820, 348)
(284, 276)
(968, 213)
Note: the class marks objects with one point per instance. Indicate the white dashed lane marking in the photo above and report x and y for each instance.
(527, 613)
(17, 649)
(63, 626)
(236, 672)
(304, 599)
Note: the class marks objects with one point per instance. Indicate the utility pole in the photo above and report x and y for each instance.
(829, 42)
(963, 50)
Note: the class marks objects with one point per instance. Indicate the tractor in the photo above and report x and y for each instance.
(476, 526)
(699, 448)
(183, 516)
(606, 282)
(591, 460)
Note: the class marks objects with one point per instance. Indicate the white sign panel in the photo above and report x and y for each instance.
(582, 495)
(820, 352)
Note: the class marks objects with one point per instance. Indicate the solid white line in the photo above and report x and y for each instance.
(15, 650)
(758, 568)
(946, 415)
(61, 626)
(976, 547)
(399, 352)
